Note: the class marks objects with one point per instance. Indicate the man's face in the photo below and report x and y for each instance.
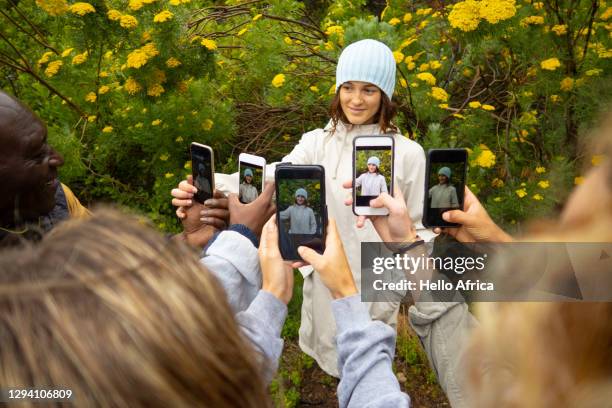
(300, 200)
(27, 161)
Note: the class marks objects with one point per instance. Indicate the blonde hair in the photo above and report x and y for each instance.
(123, 317)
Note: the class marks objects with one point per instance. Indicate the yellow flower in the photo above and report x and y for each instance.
(164, 157)
(53, 68)
(458, 115)
(81, 8)
(335, 29)
(138, 125)
(407, 18)
(135, 4)
(403, 83)
(555, 98)
(465, 15)
(497, 199)
(567, 84)
(394, 21)
(399, 56)
(559, 29)
(131, 86)
(163, 16)
(91, 97)
(593, 72)
(103, 74)
(207, 124)
(544, 184)
(443, 105)
(606, 14)
(141, 56)
(45, 57)
(169, 175)
(486, 159)
(497, 182)
(595, 160)
(538, 197)
(474, 104)
(175, 2)
(439, 94)
(103, 89)
(91, 118)
(435, 64)
(155, 90)
(521, 192)
(53, 7)
(578, 180)
(128, 21)
(550, 64)
(332, 90)
(288, 40)
(278, 80)
(423, 12)
(257, 17)
(156, 122)
(173, 62)
(423, 67)
(114, 15)
(80, 58)
(488, 107)
(67, 52)
(107, 129)
(314, 89)
(495, 11)
(532, 20)
(209, 44)
(540, 169)
(427, 77)
(241, 32)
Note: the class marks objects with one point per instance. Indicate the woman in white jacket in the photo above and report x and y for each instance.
(365, 80)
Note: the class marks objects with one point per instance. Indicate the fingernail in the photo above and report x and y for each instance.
(300, 249)
(208, 202)
(190, 202)
(445, 216)
(204, 212)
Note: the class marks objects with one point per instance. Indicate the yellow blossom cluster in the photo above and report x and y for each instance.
(141, 56)
(532, 20)
(278, 80)
(53, 68)
(439, 94)
(128, 21)
(559, 29)
(550, 64)
(521, 192)
(427, 77)
(53, 7)
(155, 90)
(82, 8)
(486, 159)
(135, 4)
(466, 15)
(103, 89)
(567, 84)
(495, 11)
(114, 15)
(497, 182)
(538, 197)
(91, 97)
(173, 62)
(207, 124)
(398, 56)
(45, 57)
(163, 16)
(80, 58)
(474, 104)
(67, 52)
(335, 29)
(211, 45)
(107, 129)
(394, 21)
(132, 86)
(178, 2)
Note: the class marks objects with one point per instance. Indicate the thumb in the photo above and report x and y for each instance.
(269, 234)
(456, 216)
(347, 184)
(383, 200)
(232, 200)
(310, 256)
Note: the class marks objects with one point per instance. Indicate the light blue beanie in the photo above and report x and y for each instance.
(367, 61)
(301, 192)
(374, 160)
(445, 171)
(248, 172)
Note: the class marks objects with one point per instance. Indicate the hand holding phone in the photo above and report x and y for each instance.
(373, 161)
(301, 213)
(444, 185)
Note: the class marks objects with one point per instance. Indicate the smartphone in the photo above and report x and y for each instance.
(444, 185)
(373, 161)
(203, 171)
(252, 173)
(301, 210)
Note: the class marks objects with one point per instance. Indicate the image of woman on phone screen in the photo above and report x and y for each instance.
(372, 183)
(247, 192)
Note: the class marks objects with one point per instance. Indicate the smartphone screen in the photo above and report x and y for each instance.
(252, 175)
(373, 171)
(301, 212)
(202, 171)
(445, 185)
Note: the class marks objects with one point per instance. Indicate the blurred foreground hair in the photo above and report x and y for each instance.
(122, 316)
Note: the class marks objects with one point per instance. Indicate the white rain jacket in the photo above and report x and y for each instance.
(333, 150)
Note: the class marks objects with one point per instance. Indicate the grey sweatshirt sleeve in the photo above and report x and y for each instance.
(262, 323)
(445, 329)
(233, 259)
(365, 355)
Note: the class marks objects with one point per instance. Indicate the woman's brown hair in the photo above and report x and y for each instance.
(384, 116)
(111, 310)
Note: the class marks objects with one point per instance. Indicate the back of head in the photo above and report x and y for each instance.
(123, 317)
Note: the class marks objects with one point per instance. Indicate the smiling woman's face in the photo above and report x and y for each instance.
(360, 101)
